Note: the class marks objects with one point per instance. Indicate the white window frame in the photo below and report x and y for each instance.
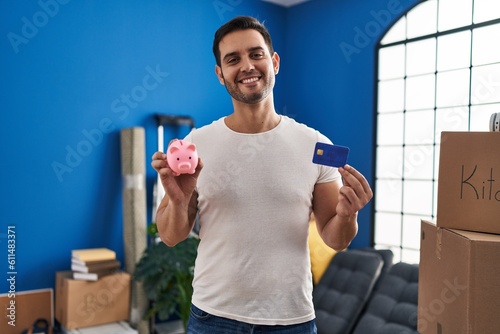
(435, 44)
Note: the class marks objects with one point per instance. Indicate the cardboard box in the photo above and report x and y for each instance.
(459, 285)
(469, 181)
(89, 303)
(21, 309)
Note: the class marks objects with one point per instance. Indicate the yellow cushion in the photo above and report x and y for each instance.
(320, 253)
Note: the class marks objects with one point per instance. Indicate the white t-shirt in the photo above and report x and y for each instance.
(254, 201)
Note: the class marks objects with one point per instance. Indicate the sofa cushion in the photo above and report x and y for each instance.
(344, 289)
(393, 307)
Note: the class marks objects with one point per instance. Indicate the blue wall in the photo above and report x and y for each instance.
(74, 73)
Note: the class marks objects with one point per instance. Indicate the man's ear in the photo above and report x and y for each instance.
(276, 63)
(220, 76)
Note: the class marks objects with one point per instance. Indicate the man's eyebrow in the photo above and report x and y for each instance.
(235, 53)
(231, 54)
(255, 48)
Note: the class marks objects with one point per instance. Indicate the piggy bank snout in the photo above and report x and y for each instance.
(184, 166)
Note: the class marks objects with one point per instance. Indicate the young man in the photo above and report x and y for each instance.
(254, 189)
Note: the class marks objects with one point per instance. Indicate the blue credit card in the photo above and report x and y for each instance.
(330, 155)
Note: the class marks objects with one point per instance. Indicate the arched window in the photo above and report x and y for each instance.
(438, 70)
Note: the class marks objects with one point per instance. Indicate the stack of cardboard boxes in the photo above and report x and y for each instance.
(459, 273)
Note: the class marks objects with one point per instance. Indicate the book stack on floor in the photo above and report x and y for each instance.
(93, 263)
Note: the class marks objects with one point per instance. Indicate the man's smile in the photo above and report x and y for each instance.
(249, 80)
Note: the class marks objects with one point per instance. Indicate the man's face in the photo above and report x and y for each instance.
(247, 68)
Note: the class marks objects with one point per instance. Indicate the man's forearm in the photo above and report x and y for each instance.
(340, 231)
(175, 221)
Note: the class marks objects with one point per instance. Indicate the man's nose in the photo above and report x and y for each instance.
(247, 64)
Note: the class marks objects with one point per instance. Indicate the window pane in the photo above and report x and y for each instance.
(485, 10)
(485, 45)
(397, 254)
(396, 33)
(388, 228)
(454, 14)
(420, 92)
(422, 19)
(451, 119)
(410, 256)
(391, 95)
(443, 84)
(421, 57)
(411, 231)
(389, 162)
(392, 62)
(485, 84)
(388, 195)
(454, 51)
(480, 116)
(390, 129)
(452, 88)
(419, 127)
(417, 197)
(419, 162)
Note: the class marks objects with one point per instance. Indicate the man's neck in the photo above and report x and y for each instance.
(253, 118)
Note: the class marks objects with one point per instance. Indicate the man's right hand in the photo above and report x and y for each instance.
(177, 210)
(180, 188)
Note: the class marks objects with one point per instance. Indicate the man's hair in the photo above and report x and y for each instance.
(240, 23)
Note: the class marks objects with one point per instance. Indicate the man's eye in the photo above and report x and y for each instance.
(232, 60)
(258, 55)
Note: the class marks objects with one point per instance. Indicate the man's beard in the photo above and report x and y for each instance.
(249, 98)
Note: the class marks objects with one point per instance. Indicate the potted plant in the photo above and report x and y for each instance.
(167, 276)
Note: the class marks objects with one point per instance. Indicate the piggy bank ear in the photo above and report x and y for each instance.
(191, 147)
(173, 149)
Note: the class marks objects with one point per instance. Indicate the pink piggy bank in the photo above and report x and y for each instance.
(182, 157)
